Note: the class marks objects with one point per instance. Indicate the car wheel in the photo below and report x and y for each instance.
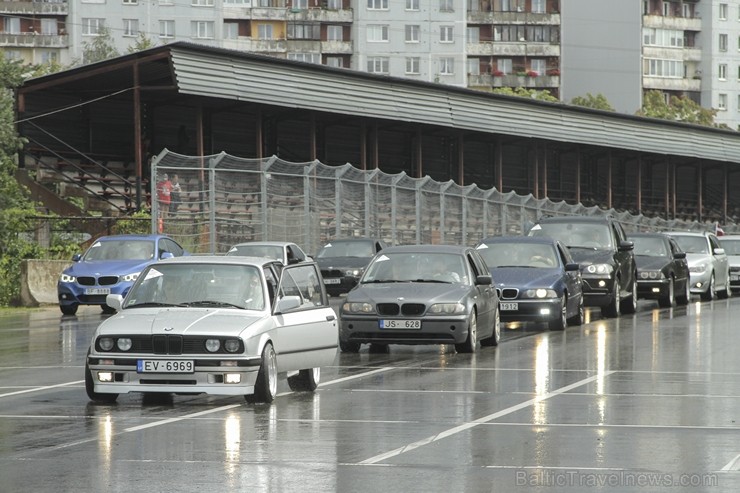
(496, 336)
(265, 388)
(90, 389)
(685, 296)
(630, 304)
(68, 309)
(668, 300)
(725, 293)
(562, 320)
(349, 347)
(612, 309)
(305, 381)
(708, 295)
(471, 342)
(580, 315)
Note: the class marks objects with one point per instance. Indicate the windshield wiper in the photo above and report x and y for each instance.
(380, 281)
(433, 280)
(153, 303)
(211, 303)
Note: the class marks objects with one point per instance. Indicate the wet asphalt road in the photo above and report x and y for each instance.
(647, 402)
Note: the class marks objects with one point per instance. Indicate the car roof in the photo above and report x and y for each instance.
(572, 219)
(520, 239)
(264, 243)
(132, 237)
(459, 249)
(355, 239)
(688, 233)
(221, 259)
(647, 235)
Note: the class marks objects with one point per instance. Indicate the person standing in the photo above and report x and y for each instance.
(164, 195)
(175, 194)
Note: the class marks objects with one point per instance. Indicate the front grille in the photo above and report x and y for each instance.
(403, 336)
(331, 273)
(509, 293)
(152, 381)
(86, 281)
(388, 309)
(171, 344)
(108, 280)
(413, 309)
(734, 269)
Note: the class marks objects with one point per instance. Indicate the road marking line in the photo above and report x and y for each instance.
(733, 465)
(485, 419)
(47, 387)
(359, 375)
(180, 418)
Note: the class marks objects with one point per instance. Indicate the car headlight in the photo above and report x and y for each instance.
(651, 274)
(213, 345)
(699, 268)
(447, 309)
(601, 269)
(106, 343)
(130, 277)
(231, 345)
(541, 293)
(67, 278)
(124, 343)
(358, 308)
(353, 272)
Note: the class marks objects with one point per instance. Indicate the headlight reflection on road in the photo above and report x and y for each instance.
(541, 379)
(601, 370)
(232, 438)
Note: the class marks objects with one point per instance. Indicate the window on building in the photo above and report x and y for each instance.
(722, 42)
(12, 25)
(722, 102)
(202, 29)
(264, 31)
(231, 30)
(447, 66)
(738, 103)
(334, 33)
(473, 66)
(504, 65)
(446, 34)
(334, 5)
(300, 4)
(130, 27)
(91, 26)
(666, 9)
(413, 65)
(378, 64)
(202, 3)
(377, 4)
(412, 33)
(538, 6)
(377, 33)
(306, 57)
(722, 11)
(12, 54)
(722, 71)
(131, 2)
(167, 29)
(335, 61)
(653, 67)
(412, 4)
(166, 2)
(49, 26)
(446, 5)
(473, 35)
(49, 56)
(538, 65)
(304, 31)
(238, 2)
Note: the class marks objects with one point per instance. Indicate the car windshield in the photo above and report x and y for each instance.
(274, 252)
(193, 284)
(416, 266)
(346, 249)
(732, 247)
(649, 246)
(120, 250)
(517, 254)
(576, 234)
(692, 244)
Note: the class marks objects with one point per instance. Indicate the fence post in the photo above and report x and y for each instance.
(153, 191)
(417, 209)
(394, 184)
(212, 205)
(307, 195)
(267, 163)
(442, 222)
(486, 201)
(338, 189)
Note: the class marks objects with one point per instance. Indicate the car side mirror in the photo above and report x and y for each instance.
(114, 301)
(626, 246)
(573, 267)
(484, 279)
(719, 251)
(287, 303)
(679, 255)
(293, 260)
(76, 257)
(166, 255)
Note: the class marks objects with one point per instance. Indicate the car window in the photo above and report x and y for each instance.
(649, 246)
(302, 281)
(518, 254)
(120, 250)
(172, 246)
(346, 249)
(576, 234)
(417, 266)
(732, 247)
(269, 251)
(714, 242)
(692, 244)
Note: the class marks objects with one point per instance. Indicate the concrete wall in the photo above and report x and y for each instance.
(39, 281)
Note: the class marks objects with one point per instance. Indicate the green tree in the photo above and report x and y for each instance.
(142, 43)
(523, 92)
(100, 48)
(598, 102)
(680, 109)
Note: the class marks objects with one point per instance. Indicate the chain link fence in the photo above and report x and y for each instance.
(226, 200)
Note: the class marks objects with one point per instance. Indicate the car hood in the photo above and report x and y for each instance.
(409, 292)
(698, 258)
(181, 321)
(342, 262)
(523, 277)
(106, 267)
(588, 256)
(645, 262)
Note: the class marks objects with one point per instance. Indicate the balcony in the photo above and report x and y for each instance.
(303, 45)
(667, 53)
(257, 13)
(320, 15)
(513, 80)
(267, 46)
(30, 40)
(506, 48)
(676, 23)
(527, 18)
(671, 84)
(337, 47)
(34, 8)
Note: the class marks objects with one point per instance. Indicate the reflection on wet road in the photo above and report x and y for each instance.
(647, 402)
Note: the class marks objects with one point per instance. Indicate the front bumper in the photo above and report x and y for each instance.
(74, 294)
(537, 310)
(700, 281)
(338, 285)
(437, 330)
(597, 290)
(734, 279)
(651, 289)
(208, 377)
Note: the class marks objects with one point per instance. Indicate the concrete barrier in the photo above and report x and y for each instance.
(39, 281)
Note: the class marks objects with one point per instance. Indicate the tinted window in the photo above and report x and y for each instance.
(120, 250)
(518, 255)
(346, 249)
(649, 246)
(732, 247)
(578, 235)
(692, 244)
(417, 266)
(269, 251)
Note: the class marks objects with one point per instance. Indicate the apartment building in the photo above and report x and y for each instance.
(35, 31)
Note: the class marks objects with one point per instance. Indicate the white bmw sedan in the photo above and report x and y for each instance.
(214, 325)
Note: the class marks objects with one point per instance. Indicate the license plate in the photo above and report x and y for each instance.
(332, 281)
(164, 366)
(97, 290)
(400, 324)
(509, 307)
